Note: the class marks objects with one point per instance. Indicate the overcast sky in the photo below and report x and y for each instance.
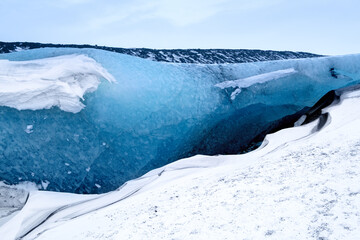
(318, 26)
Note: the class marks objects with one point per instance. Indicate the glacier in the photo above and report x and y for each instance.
(299, 183)
(120, 116)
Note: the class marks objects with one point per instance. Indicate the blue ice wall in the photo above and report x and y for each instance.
(155, 113)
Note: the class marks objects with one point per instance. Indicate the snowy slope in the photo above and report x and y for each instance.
(301, 184)
(205, 56)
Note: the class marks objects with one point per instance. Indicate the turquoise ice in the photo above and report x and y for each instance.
(153, 114)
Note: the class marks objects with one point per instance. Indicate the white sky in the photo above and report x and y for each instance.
(319, 26)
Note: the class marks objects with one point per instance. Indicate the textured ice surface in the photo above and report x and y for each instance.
(155, 113)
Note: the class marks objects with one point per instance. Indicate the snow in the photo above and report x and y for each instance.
(51, 82)
(249, 81)
(300, 184)
(13, 198)
(29, 129)
(18, 49)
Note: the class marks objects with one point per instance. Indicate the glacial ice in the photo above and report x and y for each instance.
(153, 114)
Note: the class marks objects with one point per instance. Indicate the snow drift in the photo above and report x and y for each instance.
(41, 84)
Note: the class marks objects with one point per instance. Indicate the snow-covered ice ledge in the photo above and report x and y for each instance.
(249, 81)
(51, 82)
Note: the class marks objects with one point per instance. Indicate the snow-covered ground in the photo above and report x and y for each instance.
(300, 184)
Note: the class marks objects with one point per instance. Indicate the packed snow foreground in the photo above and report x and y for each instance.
(302, 183)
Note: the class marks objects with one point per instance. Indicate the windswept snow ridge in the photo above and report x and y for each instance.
(51, 82)
(249, 81)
